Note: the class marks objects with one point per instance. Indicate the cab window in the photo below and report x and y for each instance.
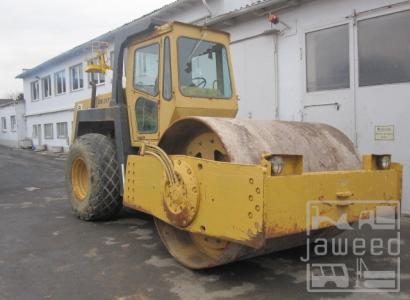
(146, 69)
(147, 115)
(203, 69)
(167, 89)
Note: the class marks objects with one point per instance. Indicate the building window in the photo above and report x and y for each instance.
(35, 131)
(146, 69)
(13, 123)
(327, 59)
(62, 132)
(76, 77)
(3, 124)
(98, 78)
(59, 82)
(35, 90)
(46, 86)
(384, 49)
(48, 131)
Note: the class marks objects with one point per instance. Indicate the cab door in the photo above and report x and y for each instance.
(143, 90)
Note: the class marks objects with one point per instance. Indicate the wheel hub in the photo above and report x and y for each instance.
(79, 179)
(181, 200)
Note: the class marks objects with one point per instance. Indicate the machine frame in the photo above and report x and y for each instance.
(248, 204)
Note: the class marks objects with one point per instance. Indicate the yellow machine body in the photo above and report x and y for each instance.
(245, 204)
(209, 182)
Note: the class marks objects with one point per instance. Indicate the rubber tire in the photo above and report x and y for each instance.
(103, 200)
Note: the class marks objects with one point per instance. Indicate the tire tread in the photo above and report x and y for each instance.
(103, 201)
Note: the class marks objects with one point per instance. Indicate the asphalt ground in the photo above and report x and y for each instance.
(46, 253)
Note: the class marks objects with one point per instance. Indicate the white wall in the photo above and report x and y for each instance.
(253, 62)
(11, 137)
(376, 105)
(253, 59)
(66, 100)
(54, 118)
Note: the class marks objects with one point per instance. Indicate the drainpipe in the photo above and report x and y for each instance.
(276, 62)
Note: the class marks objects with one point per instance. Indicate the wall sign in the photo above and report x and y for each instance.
(384, 133)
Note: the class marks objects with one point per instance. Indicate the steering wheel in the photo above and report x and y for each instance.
(201, 82)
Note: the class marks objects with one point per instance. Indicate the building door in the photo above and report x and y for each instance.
(37, 134)
(255, 88)
(329, 77)
(383, 87)
(358, 80)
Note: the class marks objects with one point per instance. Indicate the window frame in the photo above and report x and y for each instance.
(80, 77)
(366, 18)
(43, 79)
(98, 82)
(32, 85)
(3, 124)
(64, 83)
(157, 115)
(13, 123)
(305, 57)
(46, 137)
(159, 69)
(59, 136)
(228, 64)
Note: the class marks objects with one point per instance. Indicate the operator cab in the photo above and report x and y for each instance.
(176, 71)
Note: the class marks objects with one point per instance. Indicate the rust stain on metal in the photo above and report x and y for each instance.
(278, 230)
(256, 241)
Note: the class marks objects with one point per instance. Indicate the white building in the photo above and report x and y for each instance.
(12, 122)
(341, 62)
(52, 88)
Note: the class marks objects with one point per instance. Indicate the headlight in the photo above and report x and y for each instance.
(277, 165)
(383, 162)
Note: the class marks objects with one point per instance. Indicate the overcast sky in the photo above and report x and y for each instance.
(32, 31)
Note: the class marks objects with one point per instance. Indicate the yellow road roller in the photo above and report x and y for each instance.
(166, 142)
